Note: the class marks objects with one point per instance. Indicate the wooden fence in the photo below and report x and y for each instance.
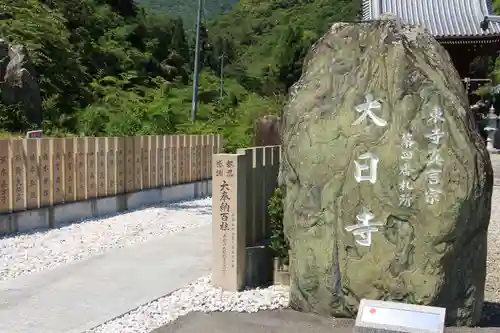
(49, 171)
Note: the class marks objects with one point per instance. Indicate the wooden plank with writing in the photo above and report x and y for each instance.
(120, 165)
(90, 151)
(146, 169)
(138, 163)
(191, 158)
(32, 173)
(167, 151)
(19, 175)
(45, 171)
(160, 140)
(110, 166)
(174, 157)
(187, 158)
(182, 159)
(153, 161)
(203, 157)
(219, 147)
(69, 170)
(129, 165)
(57, 170)
(198, 158)
(5, 176)
(101, 167)
(194, 158)
(80, 169)
(210, 152)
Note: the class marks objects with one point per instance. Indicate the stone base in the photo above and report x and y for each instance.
(259, 267)
(281, 273)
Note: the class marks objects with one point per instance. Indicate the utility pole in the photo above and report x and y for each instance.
(222, 75)
(194, 104)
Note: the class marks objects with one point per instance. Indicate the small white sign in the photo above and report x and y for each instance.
(34, 134)
(391, 316)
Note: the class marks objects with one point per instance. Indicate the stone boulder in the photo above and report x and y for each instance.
(267, 131)
(18, 83)
(387, 182)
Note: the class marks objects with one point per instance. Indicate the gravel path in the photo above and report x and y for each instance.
(28, 253)
(493, 264)
(198, 296)
(201, 296)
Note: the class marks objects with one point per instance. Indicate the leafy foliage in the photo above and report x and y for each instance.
(187, 9)
(278, 242)
(113, 67)
(272, 37)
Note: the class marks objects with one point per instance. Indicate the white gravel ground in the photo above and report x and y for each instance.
(198, 296)
(202, 296)
(28, 253)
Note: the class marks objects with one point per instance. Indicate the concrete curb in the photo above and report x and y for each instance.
(55, 216)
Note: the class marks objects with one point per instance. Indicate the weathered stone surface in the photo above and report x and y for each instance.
(267, 131)
(430, 252)
(18, 83)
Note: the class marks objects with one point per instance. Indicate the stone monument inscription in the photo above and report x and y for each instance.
(387, 183)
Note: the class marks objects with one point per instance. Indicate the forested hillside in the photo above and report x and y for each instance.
(187, 9)
(107, 67)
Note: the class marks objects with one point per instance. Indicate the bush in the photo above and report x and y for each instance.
(277, 242)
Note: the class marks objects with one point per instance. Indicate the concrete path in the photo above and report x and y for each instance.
(76, 297)
(275, 321)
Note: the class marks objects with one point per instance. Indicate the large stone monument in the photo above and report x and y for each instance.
(387, 183)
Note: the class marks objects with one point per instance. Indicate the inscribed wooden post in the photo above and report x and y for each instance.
(69, 170)
(160, 139)
(57, 169)
(153, 161)
(110, 166)
(32, 173)
(138, 163)
(203, 157)
(129, 165)
(45, 172)
(191, 149)
(182, 159)
(80, 166)
(191, 158)
(91, 167)
(101, 166)
(174, 158)
(220, 144)
(198, 157)
(211, 144)
(168, 160)
(208, 154)
(5, 176)
(146, 168)
(19, 175)
(187, 159)
(120, 165)
(228, 221)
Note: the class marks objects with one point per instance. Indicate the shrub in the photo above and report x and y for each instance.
(277, 242)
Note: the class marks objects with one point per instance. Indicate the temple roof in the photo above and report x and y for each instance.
(445, 19)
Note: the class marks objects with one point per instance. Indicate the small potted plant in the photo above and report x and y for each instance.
(278, 242)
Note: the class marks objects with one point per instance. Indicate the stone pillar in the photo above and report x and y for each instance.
(229, 221)
(491, 128)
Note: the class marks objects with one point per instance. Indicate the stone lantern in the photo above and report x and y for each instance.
(491, 127)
